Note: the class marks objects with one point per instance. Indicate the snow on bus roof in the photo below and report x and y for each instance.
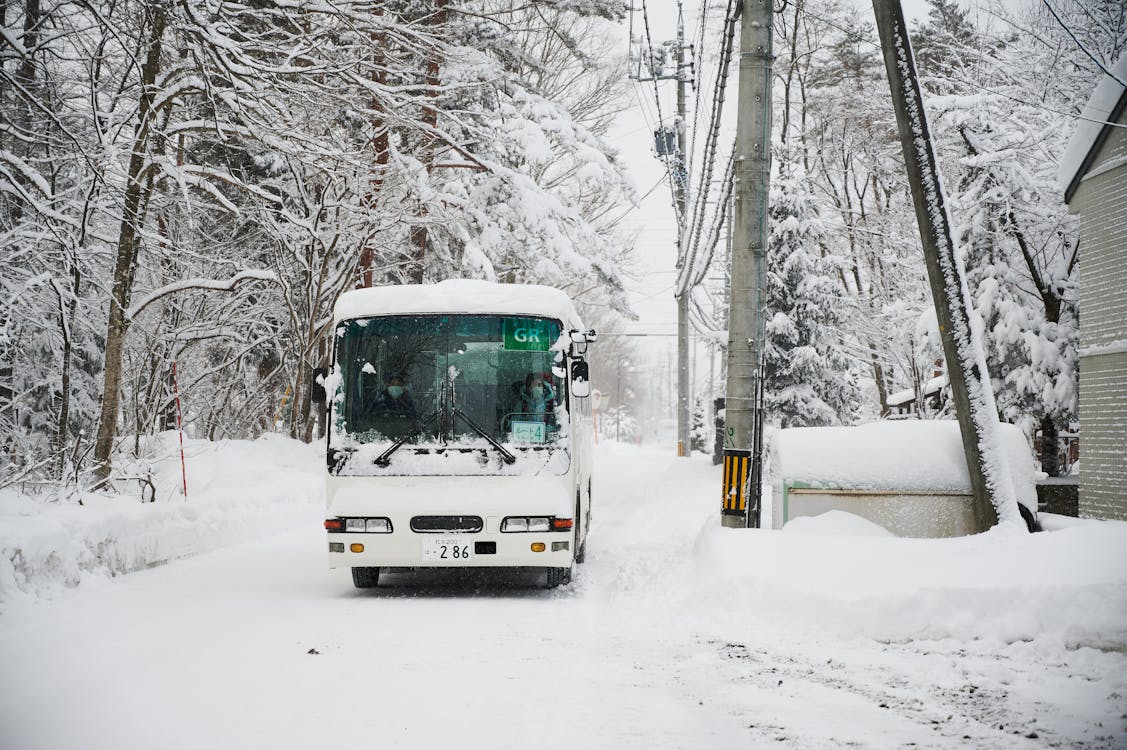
(459, 296)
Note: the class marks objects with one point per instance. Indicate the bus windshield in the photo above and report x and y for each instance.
(450, 380)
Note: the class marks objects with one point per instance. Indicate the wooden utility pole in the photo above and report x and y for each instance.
(966, 368)
(746, 306)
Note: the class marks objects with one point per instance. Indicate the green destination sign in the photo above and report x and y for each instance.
(528, 432)
(527, 334)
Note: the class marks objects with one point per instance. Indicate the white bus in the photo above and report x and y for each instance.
(459, 430)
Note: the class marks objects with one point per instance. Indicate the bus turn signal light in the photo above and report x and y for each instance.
(356, 547)
(561, 524)
(538, 546)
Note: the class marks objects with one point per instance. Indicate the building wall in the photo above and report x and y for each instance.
(1101, 201)
(1103, 430)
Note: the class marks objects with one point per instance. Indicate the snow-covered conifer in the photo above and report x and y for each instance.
(807, 380)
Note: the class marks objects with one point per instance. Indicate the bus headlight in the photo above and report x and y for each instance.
(378, 525)
(526, 523)
(367, 525)
(515, 523)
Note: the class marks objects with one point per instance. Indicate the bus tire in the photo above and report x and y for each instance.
(557, 577)
(365, 578)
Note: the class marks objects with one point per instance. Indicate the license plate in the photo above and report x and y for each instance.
(448, 549)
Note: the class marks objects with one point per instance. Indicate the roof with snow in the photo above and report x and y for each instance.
(1105, 107)
(455, 296)
(908, 395)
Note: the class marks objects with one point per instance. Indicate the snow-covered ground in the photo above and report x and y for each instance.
(237, 490)
(675, 634)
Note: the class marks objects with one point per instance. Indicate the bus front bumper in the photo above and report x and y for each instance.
(408, 549)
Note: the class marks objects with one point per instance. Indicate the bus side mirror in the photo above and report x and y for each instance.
(317, 392)
(580, 379)
(580, 340)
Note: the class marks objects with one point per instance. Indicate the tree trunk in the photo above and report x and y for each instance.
(878, 378)
(67, 311)
(1050, 460)
(381, 147)
(128, 244)
(430, 120)
(26, 80)
(26, 72)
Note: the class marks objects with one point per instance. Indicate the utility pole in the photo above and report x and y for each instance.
(743, 444)
(681, 193)
(966, 364)
(671, 143)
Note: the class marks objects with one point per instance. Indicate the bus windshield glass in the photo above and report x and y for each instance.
(485, 381)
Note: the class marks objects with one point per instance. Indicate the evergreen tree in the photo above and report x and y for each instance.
(999, 114)
(807, 379)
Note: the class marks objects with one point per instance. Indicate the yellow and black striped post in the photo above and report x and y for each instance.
(737, 467)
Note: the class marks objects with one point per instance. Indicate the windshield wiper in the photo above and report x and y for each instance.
(505, 455)
(385, 458)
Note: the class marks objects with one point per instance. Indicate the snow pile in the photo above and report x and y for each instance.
(904, 455)
(836, 522)
(237, 490)
(1068, 586)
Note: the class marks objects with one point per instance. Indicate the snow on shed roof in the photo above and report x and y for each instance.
(903, 455)
(901, 397)
(459, 296)
(1101, 109)
(930, 387)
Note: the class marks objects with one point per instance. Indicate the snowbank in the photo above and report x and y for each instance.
(237, 490)
(1068, 586)
(836, 522)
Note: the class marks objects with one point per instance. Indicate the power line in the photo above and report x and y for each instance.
(711, 144)
(717, 222)
(657, 103)
(697, 47)
(637, 205)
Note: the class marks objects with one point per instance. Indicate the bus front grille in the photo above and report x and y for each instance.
(446, 524)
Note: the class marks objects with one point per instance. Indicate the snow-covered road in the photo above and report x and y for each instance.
(257, 645)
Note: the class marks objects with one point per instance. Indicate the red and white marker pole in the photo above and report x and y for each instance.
(180, 428)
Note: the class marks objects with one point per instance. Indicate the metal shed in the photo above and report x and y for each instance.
(909, 476)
